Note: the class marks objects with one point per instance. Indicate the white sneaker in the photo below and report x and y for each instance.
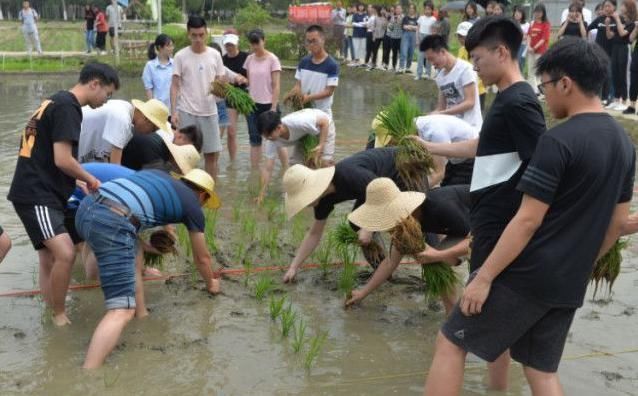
(611, 106)
(620, 107)
(417, 78)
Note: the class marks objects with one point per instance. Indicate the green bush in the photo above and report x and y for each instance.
(285, 45)
(251, 17)
(171, 12)
(178, 34)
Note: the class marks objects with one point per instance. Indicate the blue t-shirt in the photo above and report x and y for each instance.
(359, 32)
(156, 199)
(316, 77)
(104, 172)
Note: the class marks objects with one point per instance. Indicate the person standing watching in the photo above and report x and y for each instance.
(338, 18)
(29, 17)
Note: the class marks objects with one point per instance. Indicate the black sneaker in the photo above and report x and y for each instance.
(629, 110)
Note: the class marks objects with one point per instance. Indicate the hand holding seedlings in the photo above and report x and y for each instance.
(357, 295)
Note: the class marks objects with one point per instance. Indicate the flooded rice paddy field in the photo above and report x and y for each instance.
(228, 345)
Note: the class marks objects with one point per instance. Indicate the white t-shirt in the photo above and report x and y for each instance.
(196, 72)
(299, 124)
(102, 128)
(316, 77)
(586, 16)
(425, 25)
(451, 87)
(443, 128)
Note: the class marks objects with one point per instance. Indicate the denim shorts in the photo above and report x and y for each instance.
(254, 136)
(222, 113)
(114, 241)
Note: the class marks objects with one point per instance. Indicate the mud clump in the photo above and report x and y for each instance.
(611, 376)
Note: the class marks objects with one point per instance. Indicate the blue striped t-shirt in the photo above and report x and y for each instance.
(156, 199)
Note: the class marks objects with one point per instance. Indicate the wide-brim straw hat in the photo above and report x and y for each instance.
(203, 180)
(303, 185)
(155, 111)
(381, 136)
(385, 206)
(186, 157)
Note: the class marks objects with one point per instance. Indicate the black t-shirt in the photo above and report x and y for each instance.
(236, 63)
(582, 169)
(37, 181)
(572, 29)
(601, 36)
(89, 17)
(411, 21)
(446, 211)
(507, 141)
(352, 175)
(143, 150)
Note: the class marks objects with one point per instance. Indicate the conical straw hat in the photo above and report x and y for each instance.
(303, 185)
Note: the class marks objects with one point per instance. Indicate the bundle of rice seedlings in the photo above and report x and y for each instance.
(373, 253)
(343, 236)
(154, 260)
(439, 278)
(163, 241)
(294, 100)
(237, 98)
(608, 267)
(308, 143)
(348, 276)
(413, 161)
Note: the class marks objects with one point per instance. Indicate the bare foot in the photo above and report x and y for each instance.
(61, 320)
(215, 286)
(141, 314)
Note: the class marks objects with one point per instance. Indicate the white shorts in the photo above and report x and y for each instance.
(296, 152)
(209, 125)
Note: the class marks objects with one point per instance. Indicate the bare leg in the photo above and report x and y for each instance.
(210, 163)
(498, 372)
(105, 337)
(46, 264)
(231, 130)
(446, 371)
(282, 152)
(255, 156)
(140, 305)
(449, 301)
(89, 261)
(63, 252)
(5, 245)
(543, 384)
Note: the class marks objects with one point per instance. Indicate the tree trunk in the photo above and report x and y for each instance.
(64, 15)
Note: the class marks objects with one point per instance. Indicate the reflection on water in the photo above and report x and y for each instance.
(192, 344)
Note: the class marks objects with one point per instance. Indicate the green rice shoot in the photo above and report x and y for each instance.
(299, 338)
(607, 269)
(440, 279)
(275, 306)
(288, 318)
(210, 219)
(314, 349)
(263, 286)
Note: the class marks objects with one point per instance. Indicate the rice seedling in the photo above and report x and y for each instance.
(184, 240)
(163, 241)
(263, 286)
(343, 236)
(271, 207)
(316, 344)
(276, 306)
(308, 144)
(248, 227)
(154, 260)
(236, 97)
(345, 242)
(323, 255)
(294, 100)
(413, 161)
(210, 218)
(248, 267)
(269, 241)
(238, 209)
(348, 275)
(299, 339)
(288, 318)
(298, 230)
(439, 278)
(607, 268)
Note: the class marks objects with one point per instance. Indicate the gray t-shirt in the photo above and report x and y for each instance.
(113, 15)
(28, 18)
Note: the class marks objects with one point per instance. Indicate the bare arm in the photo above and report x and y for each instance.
(266, 176)
(174, 93)
(276, 86)
(149, 93)
(116, 155)
(622, 32)
(583, 28)
(561, 31)
(464, 149)
(439, 170)
(323, 124)
(631, 226)
(381, 274)
(465, 105)
(63, 158)
(320, 95)
(617, 226)
(449, 255)
(440, 103)
(309, 244)
(634, 33)
(203, 259)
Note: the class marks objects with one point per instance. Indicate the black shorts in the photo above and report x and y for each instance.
(112, 32)
(42, 223)
(459, 173)
(534, 333)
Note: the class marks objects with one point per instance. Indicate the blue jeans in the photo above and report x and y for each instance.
(408, 42)
(114, 241)
(521, 58)
(347, 46)
(89, 37)
(421, 61)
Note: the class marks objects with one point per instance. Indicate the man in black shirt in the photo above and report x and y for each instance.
(505, 145)
(445, 211)
(324, 188)
(46, 175)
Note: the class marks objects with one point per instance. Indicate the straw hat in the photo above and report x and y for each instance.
(155, 111)
(186, 157)
(381, 134)
(203, 180)
(303, 185)
(463, 28)
(385, 206)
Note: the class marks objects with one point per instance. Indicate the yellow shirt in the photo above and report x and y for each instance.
(462, 54)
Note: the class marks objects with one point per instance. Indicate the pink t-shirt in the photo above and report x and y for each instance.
(260, 77)
(196, 72)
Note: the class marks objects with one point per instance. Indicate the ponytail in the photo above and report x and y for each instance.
(161, 41)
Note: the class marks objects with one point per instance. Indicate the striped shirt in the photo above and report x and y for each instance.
(156, 199)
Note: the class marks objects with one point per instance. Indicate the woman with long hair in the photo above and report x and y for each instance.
(538, 43)
(619, 37)
(158, 71)
(408, 39)
(470, 13)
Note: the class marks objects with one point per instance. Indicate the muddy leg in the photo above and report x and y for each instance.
(63, 252)
(446, 371)
(498, 372)
(140, 304)
(541, 383)
(106, 335)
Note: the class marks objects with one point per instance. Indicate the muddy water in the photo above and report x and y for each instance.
(194, 344)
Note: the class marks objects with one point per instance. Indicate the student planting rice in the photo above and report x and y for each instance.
(576, 195)
(324, 188)
(110, 221)
(300, 130)
(445, 211)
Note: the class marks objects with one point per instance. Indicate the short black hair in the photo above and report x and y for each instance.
(585, 63)
(267, 122)
(194, 134)
(495, 30)
(255, 36)
(195, 22)
(435, 42)
(102, 72)
(316, 28)
(428, 3)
